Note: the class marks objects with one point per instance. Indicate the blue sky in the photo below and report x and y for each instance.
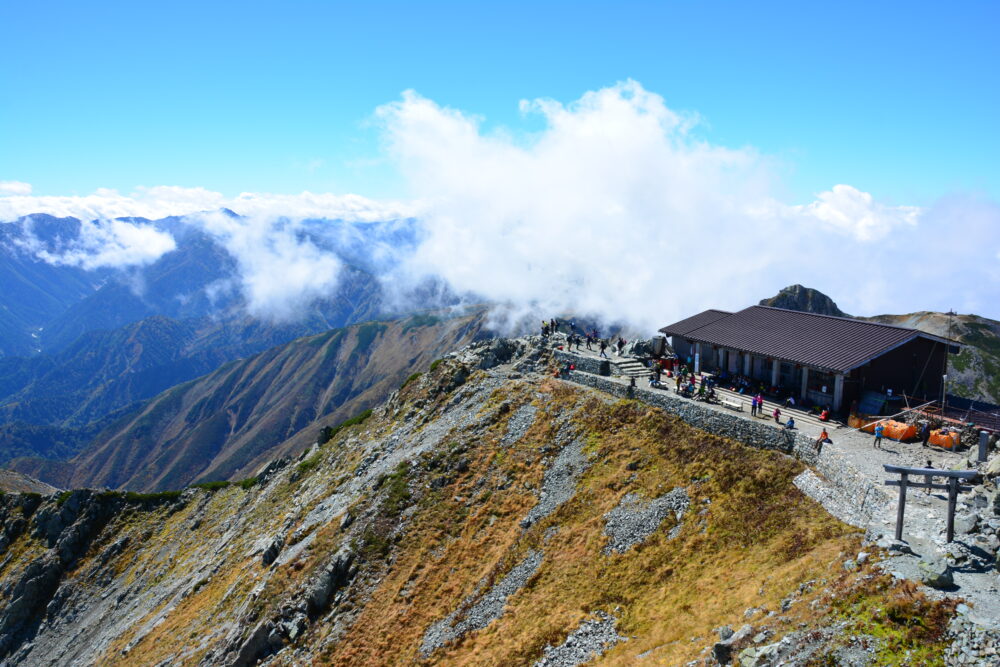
(898, 99)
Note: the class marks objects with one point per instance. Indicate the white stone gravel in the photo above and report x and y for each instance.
(589, 641)
(635, 519)
(485, 610)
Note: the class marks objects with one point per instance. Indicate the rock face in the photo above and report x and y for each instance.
(805, 299)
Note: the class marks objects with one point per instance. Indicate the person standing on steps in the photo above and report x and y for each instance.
(604, 346)
(777, 415)
(879, 430)
(925, 434)
(753, 406)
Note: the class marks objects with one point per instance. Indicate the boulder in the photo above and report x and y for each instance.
(328, 581)
(936, 573)
(993, 467)
(723, 650)
(272, 551)
(966, 523)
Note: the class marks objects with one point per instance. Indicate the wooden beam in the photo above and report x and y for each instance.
(952, 497)
(925, 485)
(934, 472)
(899, 510)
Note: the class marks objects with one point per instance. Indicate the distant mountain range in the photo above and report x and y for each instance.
(106, 384)
(226, 424)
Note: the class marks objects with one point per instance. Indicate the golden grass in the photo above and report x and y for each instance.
(755, 540)
(757, 530)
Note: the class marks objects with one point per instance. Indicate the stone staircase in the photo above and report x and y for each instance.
(631, 368)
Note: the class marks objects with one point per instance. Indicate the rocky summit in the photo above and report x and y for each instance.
(489, 512)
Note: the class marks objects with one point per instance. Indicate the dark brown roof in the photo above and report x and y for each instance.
(836, 344)
(683, 327)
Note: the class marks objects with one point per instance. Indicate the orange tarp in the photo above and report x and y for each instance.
(899, 430)
(946, 439)
(893, 429)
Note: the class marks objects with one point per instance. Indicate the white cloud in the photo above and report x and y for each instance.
(280, 270)
(849, 210)
(162, 201)
(14, 188)
(615, 209)
(107, 243)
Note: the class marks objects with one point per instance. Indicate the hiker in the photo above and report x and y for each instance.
(879, 430)
(777, 415)
(928, 478)
(790, 401)
(790, 424)
(925, 434)
(678, 380)
(604, 346)
(753, 406)
(823, 437)
(588, 343)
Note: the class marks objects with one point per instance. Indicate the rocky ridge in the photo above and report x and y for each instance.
(414, 518)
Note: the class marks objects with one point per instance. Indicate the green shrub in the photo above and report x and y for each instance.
(372, 545)
(409, 380)
(333, 431)
(247, 483)
(143, 498)
(62, 498)
(398, 491)
(435, 364)
(309, 464)
(211, 486)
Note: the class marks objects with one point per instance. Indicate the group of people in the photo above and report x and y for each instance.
(586, 339)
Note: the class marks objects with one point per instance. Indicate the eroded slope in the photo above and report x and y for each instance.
(485, 514)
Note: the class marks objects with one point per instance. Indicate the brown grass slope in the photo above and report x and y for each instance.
(227, 424)
(184, 583)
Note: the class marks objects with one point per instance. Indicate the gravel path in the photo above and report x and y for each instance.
(635, 519)
(589, 641)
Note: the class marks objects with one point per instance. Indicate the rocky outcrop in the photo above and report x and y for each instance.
(805, 299)
(67, 528)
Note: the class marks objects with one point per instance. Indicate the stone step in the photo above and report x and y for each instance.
(632, 368)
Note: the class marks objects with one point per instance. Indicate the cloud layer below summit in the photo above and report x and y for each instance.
(617, 208)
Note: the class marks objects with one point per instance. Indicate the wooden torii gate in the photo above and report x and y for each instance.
(952, 487)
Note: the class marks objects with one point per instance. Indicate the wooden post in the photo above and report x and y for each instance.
(952, 497)
(902, 503)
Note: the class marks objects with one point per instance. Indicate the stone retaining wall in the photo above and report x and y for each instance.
(585, 364)
(846, 487)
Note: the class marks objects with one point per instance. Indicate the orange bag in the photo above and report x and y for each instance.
(899, 430)
(946, 439)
